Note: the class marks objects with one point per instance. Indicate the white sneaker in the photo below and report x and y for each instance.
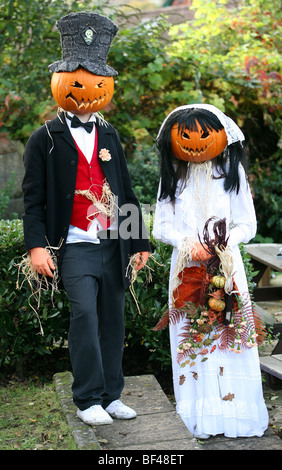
(120, 411)
(94, 415)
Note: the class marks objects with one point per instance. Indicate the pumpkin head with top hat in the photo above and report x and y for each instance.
(82, 82)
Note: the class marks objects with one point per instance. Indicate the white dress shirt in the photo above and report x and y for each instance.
(85, 142)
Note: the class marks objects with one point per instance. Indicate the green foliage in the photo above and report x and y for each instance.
(144, 171)
(267, 183)
(151, 295)
(5, 194)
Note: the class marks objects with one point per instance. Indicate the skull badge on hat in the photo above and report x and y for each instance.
(82, 81)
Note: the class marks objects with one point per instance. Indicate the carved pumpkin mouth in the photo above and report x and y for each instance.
(195, 152)
(87, 104)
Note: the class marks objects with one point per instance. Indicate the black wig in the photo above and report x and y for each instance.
(173, 169)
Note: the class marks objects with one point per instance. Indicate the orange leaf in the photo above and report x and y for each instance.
(205, 351)
(217, 294)
(182, 379)
(190, 287)
(229, 397)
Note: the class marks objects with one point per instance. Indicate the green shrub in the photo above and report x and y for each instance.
(151, 295)
(144, 171)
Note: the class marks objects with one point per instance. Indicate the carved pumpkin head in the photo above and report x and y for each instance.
(196, 143)
(82, 92)
(197, 133)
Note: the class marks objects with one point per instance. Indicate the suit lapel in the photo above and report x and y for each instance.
(105, 142)
(59, 125)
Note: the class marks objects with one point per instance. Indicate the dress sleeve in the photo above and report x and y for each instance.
(164, 228)
(243, 217)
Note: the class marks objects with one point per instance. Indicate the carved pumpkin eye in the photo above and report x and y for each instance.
(81, 92)
(185, 135)
(205, 135)
(77, 85)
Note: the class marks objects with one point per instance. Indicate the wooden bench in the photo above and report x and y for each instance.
(272, 364)
(265, 257)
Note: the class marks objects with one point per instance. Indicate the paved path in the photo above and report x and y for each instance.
(157, 426)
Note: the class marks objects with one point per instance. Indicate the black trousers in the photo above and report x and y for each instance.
(91, 275)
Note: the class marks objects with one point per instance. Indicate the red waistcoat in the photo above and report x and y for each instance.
(89, 176)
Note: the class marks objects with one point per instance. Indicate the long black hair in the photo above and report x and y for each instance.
(173, 169)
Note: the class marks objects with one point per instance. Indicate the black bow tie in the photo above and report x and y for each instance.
(76, 122)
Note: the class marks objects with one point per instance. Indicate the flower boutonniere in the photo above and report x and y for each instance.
(105, 155)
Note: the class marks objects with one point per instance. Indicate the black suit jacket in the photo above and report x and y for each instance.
(51, 160)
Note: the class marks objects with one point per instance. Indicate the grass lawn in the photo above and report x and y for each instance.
(31, 418)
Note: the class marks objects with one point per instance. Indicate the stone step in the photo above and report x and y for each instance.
(157, 425)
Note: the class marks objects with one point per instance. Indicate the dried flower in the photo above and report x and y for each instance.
(105, 155)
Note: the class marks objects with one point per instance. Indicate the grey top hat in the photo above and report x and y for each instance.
(85, 39)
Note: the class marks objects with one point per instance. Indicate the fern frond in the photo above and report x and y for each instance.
(163, 322)
(171, 316)
(259, 327)
(226, 338)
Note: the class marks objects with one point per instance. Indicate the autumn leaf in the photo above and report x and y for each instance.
(218, 294)
(182, 379)
(195, 375)
(228, 397)
(204, 351)
(221, 371)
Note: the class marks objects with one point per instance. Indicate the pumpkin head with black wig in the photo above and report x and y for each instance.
(197, 139)
(195, 134)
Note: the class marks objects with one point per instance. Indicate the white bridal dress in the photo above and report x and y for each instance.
(202, 391)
